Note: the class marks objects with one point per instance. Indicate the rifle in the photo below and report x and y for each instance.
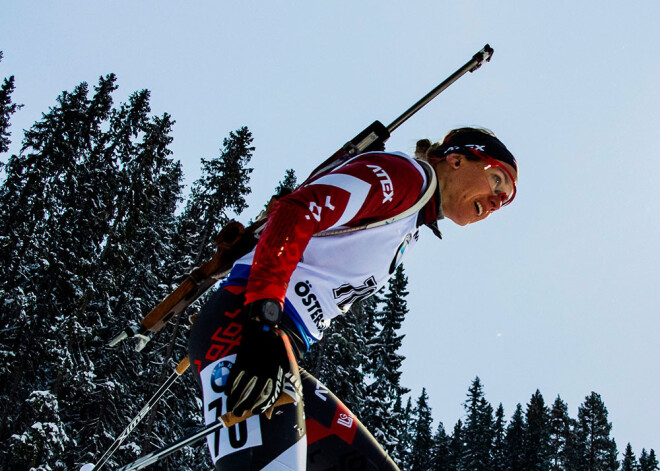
(235, 240)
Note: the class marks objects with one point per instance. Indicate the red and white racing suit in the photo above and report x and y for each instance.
(316, 278)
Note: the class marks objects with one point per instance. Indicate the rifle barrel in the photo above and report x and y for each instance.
(477, 60)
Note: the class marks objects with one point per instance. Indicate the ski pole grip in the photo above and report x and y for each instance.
(230, 419)
(182, 366)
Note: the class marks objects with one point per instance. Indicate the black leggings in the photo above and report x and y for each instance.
(318, 433)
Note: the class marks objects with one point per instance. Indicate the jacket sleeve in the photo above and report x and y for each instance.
(371, 187)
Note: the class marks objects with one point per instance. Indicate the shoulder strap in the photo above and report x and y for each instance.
(421, 202)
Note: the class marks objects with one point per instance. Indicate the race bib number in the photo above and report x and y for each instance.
(245, 434)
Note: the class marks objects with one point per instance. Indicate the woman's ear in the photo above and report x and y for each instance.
(454, 160)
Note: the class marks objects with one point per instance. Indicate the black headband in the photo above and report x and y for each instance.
(465, 141)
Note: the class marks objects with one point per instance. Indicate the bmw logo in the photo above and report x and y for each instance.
(219, 375)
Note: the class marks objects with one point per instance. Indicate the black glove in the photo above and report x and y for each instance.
(256, 379)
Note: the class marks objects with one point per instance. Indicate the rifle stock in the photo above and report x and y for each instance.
(233, 242)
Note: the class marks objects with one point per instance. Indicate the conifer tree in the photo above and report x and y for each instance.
(47, 439)
(422, 440)
(43, 174)
(479, 429)
(629, 462)
(456, 448)
(141, 244)
(514, 441)
(593, 436)
(391, 318)
(384, 369)
(47, 241)
(537, 435)
(498, 455)
(341, 367)
(7, 108)
(560, 436)
(377, 406)
(441, 452)
(215, 196)
(325, 358)
(404, 423)
(371, 307)
(648, 461)
(92, 194)
(288, 184)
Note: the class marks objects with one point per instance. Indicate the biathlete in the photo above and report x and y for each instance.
(313, 260)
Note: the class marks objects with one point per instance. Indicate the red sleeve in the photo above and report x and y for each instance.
(370, 188)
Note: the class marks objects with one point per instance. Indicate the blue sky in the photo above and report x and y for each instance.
(558, 291)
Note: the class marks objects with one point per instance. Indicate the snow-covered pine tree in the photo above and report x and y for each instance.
(98, 192)
(629, 461)
(384, 368)
(392, 316)
(648, 461)
(378, 400)
(560, 436)
(341, 356)
(478, 432)
(441, 453)
(536, 456)
(80, 233)
(598, 450)
(348, 346)
(421, 459)
(139, 252)
(7, 108)
(37, 179)
(46, 440)
(402, 422)
(498, 455)
(514, 441)
(53, 237)
(214, 199)
(124, 271)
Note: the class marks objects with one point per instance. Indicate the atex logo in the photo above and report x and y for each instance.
(385, 182)
(481, 148)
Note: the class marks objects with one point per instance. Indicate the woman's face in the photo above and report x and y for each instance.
(473, 190)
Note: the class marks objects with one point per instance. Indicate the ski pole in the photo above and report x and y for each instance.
(178, 371)
(225, 421)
